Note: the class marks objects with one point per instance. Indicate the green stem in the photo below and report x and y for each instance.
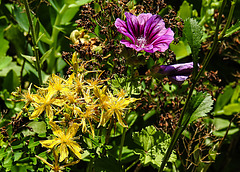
(135, 162)
(35, 47)
(181, 126)
(229, 19)
(125, 129)
(122, 144)
(52, 68)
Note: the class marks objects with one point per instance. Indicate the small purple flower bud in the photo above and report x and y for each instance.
(177, 73)
(146, 31)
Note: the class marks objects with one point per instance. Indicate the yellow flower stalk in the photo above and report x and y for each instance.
(63, 141)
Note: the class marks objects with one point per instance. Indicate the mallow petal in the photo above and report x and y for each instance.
(179, 79)
(130, 45)
(122, 28)
(142, 19)
(132, 24)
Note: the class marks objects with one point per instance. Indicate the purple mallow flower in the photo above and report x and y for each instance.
(146, 31)
(177, 73)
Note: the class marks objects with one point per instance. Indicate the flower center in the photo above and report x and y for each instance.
(141, 42)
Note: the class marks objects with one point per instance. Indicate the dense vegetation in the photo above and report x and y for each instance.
(139, 85)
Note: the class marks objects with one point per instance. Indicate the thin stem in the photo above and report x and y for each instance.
(122, 143)
(135, 162)
(229, 19)
(181, 126)
(35, 47)
(125, 129)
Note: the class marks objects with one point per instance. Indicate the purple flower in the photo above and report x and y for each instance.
(177, 73)
(146, 31)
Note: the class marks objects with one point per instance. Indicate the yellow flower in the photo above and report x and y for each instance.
(63, 140)
(57, 85)
(115, 106)
(43, 103)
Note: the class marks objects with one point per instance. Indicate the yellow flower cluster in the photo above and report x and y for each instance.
(79, 102)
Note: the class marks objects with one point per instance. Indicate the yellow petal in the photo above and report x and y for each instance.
(119, 118)
(75, 148)
(50, 143)
(38, 111)
(63, 152)
(56, 130)
(72, 130)
(49, 112)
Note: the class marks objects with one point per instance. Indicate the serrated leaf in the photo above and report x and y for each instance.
(154, 145)
(199, 105)
(193, 33)
(232, 29)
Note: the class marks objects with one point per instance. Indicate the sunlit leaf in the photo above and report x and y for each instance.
(193, 33)
(79, 3)
(5, 61)
(231, 108)
(185, 10)
(181, 49)
(234, 28)
(154, 145)
(199, 105)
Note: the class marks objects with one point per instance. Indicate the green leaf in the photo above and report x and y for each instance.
(231, 108)
(7, 163)
(193, 33)
(11, 81)
(79, 3)
(16, 37)
(199, 105)
(4, 44)
(37, 28)
(68, 15)
(5, 61)
(38, 127)
(221, 126)
(97, 30)
(17, 155)
(154, 145)
(224, 99)
(45, 56)
(30, 59)
(181, 49)
(149, 114)
(21, 18)
(185, 10)
(232, 29)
